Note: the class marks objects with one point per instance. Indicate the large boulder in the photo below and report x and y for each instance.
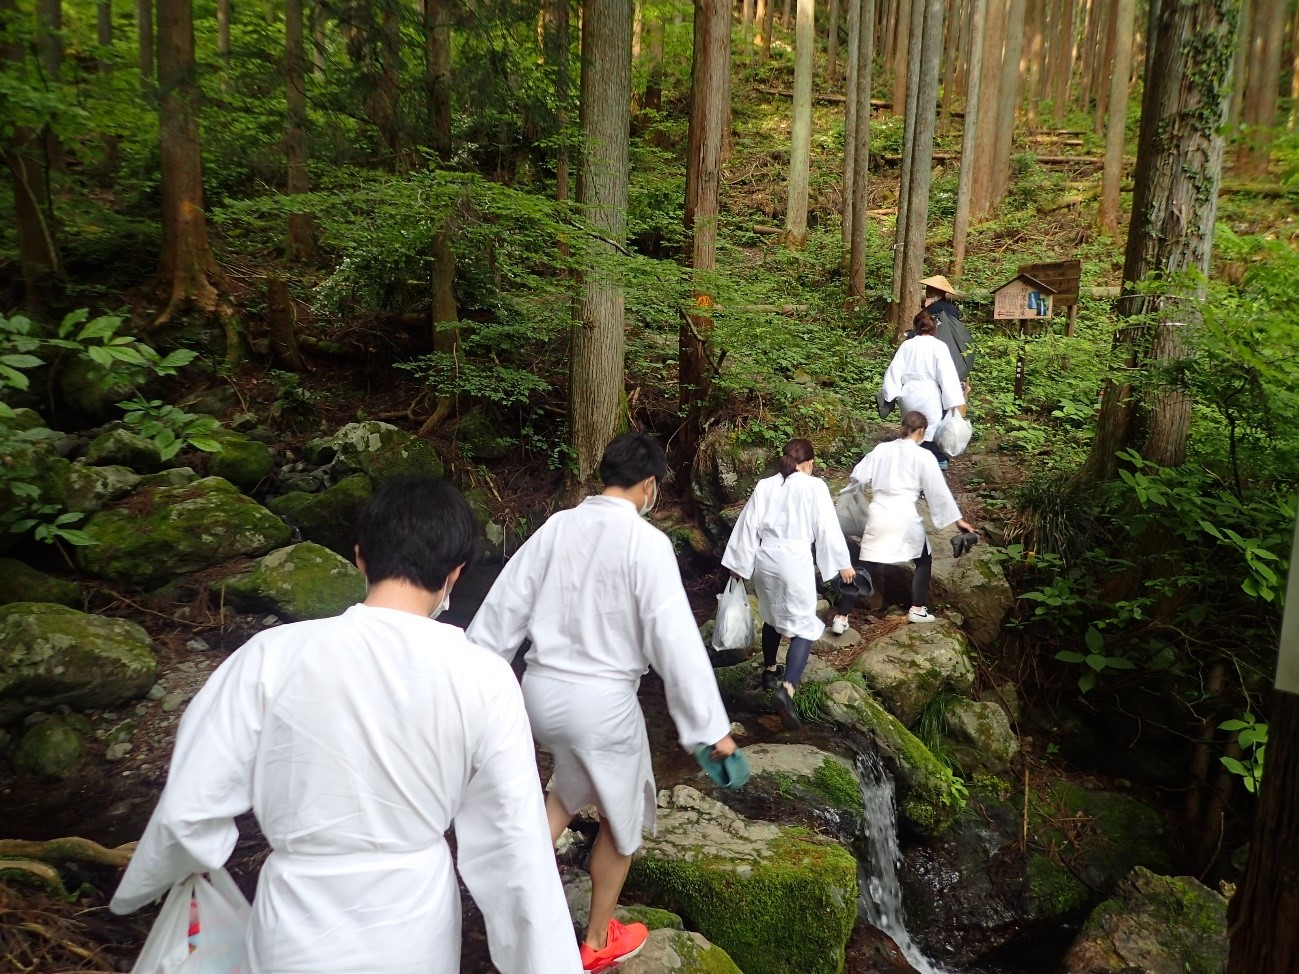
(171, 531)
(480, 438)
(51, 655)
(670, 951)
(823, 781)
(375, 449)
(243, 461)
(724, 475)
(982, 736)
(747, 885)
(910, 666)
(90, 487)
(20, 582)
(51, 748)
(93, 389)
(329, 517)
(577, 891)
(122, 448)
(1153, 925)
(302, 581)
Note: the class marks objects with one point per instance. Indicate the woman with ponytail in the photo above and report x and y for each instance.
(923, 377)
(772, 544)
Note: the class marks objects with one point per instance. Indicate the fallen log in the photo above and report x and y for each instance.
(823, 96)
(1043, 160)
(70, 849)
(1088, 193)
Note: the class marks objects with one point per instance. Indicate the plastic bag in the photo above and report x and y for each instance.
(210, 943)
(953, 433)
(733, 628)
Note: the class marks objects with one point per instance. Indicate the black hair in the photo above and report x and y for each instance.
(924, 324)
(631, 458)
(416, 528)
(796, 452)
(912, 421)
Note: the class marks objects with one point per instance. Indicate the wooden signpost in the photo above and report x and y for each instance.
(1064, 278)
(1031, 295)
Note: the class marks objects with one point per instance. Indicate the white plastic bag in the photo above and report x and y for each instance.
(953, 433)
(217, 947)
(733, 627)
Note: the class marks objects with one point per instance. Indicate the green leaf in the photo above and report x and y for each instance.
(78, 538)
(205, 444)
(13, 378)
(1095, 641)
(101, 328)
(178, 359)
(21, 361)
(1069, 656)
(1086, 682)
(1096, 661)
(71, 320)
(1233, 725)
(1120, 663)
(1234, 766)
(101, 356)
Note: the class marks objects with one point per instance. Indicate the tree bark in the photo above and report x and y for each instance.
(832, 45)
(598, 342)
(1116, 127)
(223, 33)
(861, 151)
(850, 123)
(768, 22)
(301, 226)
(1259, 110)
(1090, 44)
(1240, 64)
(954, 48)
(1174, 207)
(709, 106)
(556, 41)
(144, 43)
(1063, 73)
(912, 100)
(974, 108)
(1293, 120)
(1104, 70)
(784, 16)
(1031, 60)
(437, 68)
(654, 79)
(1007, 101)
(187, 268)
(901, 52)
(104, 24)
(318, 14)
(982, 186)
(282, 316)
(800, 150)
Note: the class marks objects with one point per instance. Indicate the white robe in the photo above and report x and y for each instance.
(772, 544)
(924, 378)
(358, 741)
(897, 472)
(598, 591)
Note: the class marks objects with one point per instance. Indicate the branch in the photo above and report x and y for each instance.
(70, 849)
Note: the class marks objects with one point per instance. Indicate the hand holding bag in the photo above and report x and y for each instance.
(953, 433)
(733, 627)
(216, 946)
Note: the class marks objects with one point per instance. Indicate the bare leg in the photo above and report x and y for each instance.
(557, 815)
(608, 872)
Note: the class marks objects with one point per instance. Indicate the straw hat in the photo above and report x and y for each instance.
(939, 283)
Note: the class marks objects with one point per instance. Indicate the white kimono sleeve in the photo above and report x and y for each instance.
(891, 388)
(942, 505)
(861, 475)
(949, 381)
(675, 650)
(501, 622)
(209, 783)
(831, 549)
(503, 848)
(742, 546)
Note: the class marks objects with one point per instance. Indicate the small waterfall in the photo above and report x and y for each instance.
(880, 899)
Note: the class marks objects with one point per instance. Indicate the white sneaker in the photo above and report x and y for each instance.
(921, 615)
(839, 626)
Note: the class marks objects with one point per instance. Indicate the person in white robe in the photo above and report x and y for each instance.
(598, 592)
(357, 742)
(923, 378)
(787, 516)
(897, 473)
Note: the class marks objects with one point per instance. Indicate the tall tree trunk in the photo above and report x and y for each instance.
(49, 44)
(1063, 71)
(901, 52)
(1116, 127)
(1245, 50)
(784, 16)
(850, 124)
(927, 69)
(759, 23)
(1293, 120)
(905, 199)
(556, 41)
(187, 267)
(144, 43)
(223, 33)
(301, 229)
(1259, 110)
(983, 186)
(104, 22)
(955, 49)
(597, 394)
(861, 151)
(1106, 67)
(387, 96)
(1090, 43)
(437, 73)
(800, 150)
(832, 46)
(1174, 207)
(710, 81)
(1031, 60)
(1007, 101)
(654, 79)
(974, 109)
(768, 22)
(318, 15)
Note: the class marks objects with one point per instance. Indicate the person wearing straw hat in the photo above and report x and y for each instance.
(951, 331)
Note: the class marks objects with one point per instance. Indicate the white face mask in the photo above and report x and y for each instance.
(442, 606)
(650, 501)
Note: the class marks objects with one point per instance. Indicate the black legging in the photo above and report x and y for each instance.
(919, 582)
(795, 660)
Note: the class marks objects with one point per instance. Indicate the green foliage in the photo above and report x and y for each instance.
(1251, 735)
(170, 427)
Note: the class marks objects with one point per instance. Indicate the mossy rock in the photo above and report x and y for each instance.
(171, 477)
(89, 487)
(45, 470)
(51, 655)
(170, 531)
(93, 389)
(19, 582)
(327, 518)
(50, 749)
(746, 885)
(24, 419)
(815, 778)
(669, 951)
(122, 448)
(302, 581)
(984, 740)
(1153, 925)
(577, 891)
(480, 438)
(910, 666)
(375, 449)
(243, 461)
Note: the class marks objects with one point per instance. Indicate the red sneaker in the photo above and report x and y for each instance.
(625, 940)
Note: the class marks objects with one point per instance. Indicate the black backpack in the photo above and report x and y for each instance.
(954, 335)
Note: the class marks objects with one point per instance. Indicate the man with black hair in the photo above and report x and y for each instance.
(598, 591)
(358, 741)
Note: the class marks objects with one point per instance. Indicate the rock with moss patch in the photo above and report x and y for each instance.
(302, 581)
(90, 487)
(745, 885)
(982, 734)
(375, 449)
(51, 655)
(577, 891)
(329, 517)
(908, 667)
(122, 448)
(480, 438)
(170, 531)
(243, 461)
(19, 582)
(790, 775)
(171, 477)
(1153, 925)
(679, 952)
(722, 478)
(50, 749)
(32, 463)
(974, 585)
(94, 390)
